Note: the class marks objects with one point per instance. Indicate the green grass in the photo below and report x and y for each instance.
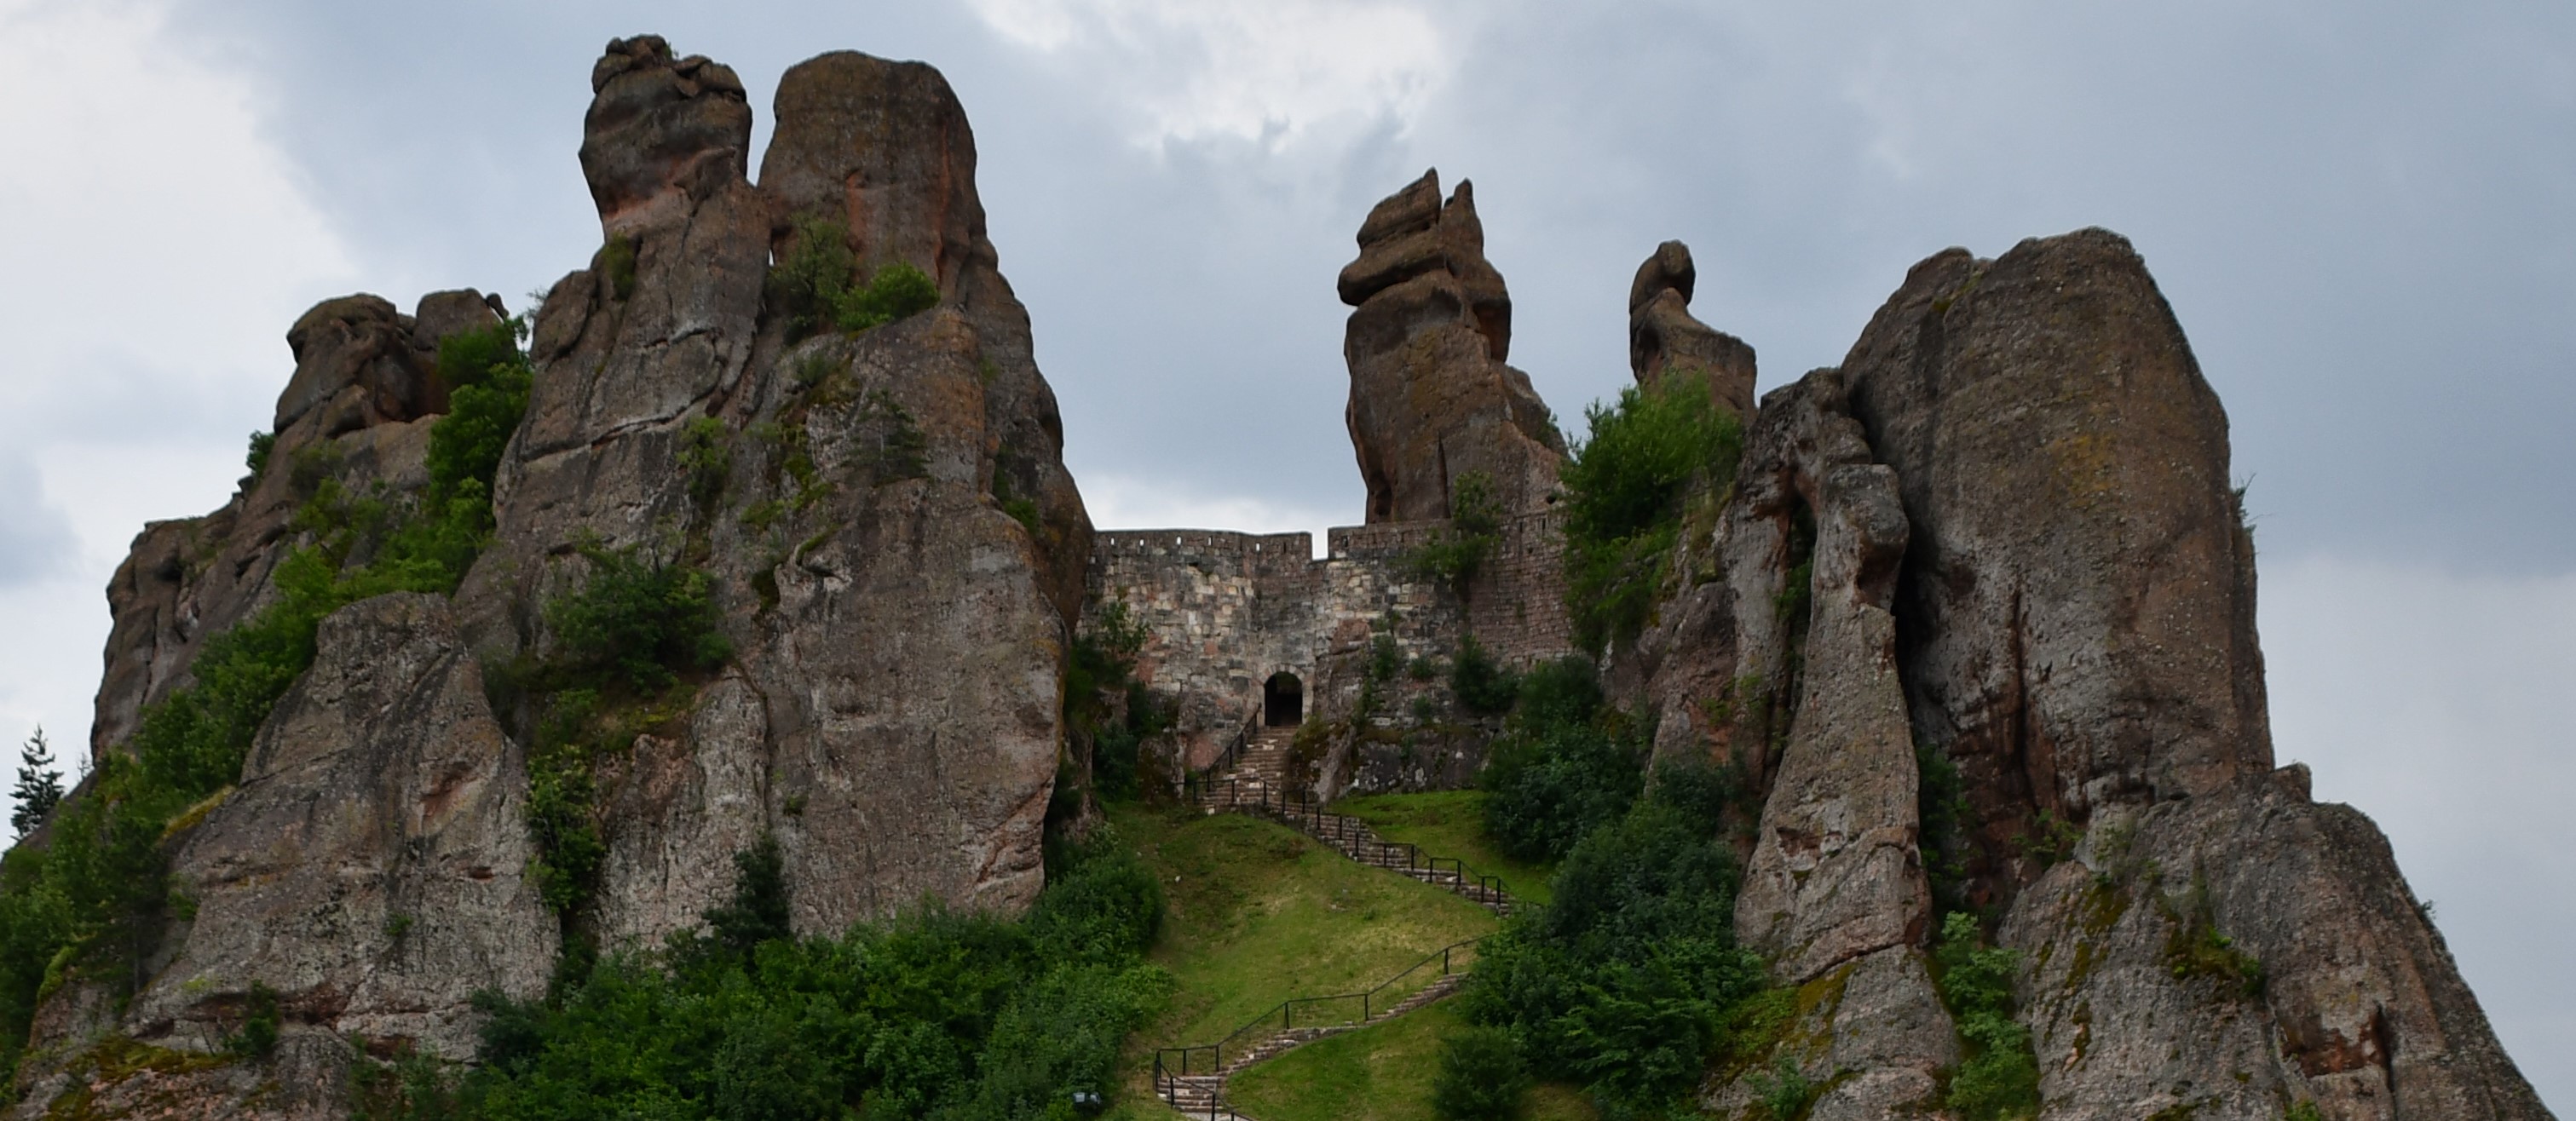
(1448, 823)
(1378, 1073)
(1259, 913)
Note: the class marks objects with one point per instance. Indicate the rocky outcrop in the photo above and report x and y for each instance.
(1664, 339)
(1834, 872)
(371, 866)
(1431, 397)
(1834, 892)
(2079, 594)
(2075, 620)
(356, 411)
(662, 134)
(892, 713)
(883, 149)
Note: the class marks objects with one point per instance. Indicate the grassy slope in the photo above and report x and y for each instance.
(1448, 823)
(1257, 913)
(1379, 1073)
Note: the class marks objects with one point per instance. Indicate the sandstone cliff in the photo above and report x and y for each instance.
(1431, 397)
(891, 546)
(2028, 569)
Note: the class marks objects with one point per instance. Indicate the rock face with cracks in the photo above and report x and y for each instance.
(1431, 397)
(893, 547)
(892, 712)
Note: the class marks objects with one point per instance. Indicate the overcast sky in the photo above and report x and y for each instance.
(2364, 214)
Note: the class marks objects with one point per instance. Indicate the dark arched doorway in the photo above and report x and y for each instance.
(1283, 701)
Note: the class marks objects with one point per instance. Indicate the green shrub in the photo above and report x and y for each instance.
(758, 912)
(811, 284)
(1105, 706)
(809, 278)
(1551, 785)
(1624, 487)
(1480, 683)
(1482, 1077)
(638, 622)
(1454, 555)
(896, 291)
(617, 260)
(261, 444)
(488, 381)
(2194, 948)
(1785, 1091)
(257, 1036)
(1624, 982)
(1998, 1075)
(706, 455)
(933, 1014)
(1941, 803)
(40, 785)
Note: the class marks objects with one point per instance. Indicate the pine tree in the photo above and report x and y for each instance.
(40, 785)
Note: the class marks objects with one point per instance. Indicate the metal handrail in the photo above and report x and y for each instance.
(1173, 1062)
(1355, 840)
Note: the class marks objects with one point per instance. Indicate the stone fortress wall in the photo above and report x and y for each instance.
(1223, 612)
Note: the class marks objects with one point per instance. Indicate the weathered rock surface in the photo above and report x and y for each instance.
(1431, 398)
(371, 866)
(356, 411)
(2359, 1007)
(892, 713)
(2078, 600)
(1664, 338)
(1834, 889)
(1834, 873)
(884, 149)
(2075, 630)
(662, 133)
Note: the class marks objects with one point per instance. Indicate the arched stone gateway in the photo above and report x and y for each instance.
(1283, 700)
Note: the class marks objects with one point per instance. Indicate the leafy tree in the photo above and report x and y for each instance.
(758, 912)
(1482, 1076)
(40, 785)
(1999, 1076)
(1480, 683)
(1624, 487)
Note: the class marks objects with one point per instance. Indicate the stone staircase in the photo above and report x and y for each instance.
(1257, 782)
(1203, 1095)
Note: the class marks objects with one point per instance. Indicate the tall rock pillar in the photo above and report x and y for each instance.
(1431, 397)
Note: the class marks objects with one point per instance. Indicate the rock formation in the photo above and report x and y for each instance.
(2077, 619)
(1431, 397)
(366, 377)
(893, 543)
(372, 865)
(2073, 631)
(918, 761)
(1664, 338)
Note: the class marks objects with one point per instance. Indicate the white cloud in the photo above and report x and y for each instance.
(157, 248)
(2433, 702)
(1265, 70)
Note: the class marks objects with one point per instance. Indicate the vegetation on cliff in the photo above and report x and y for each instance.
(93, 900)
(940, 1014)
(1625, 982)
(1625, 487)
(813, 284)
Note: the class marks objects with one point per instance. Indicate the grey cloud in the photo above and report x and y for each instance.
(36, 540)
(2362, 216)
